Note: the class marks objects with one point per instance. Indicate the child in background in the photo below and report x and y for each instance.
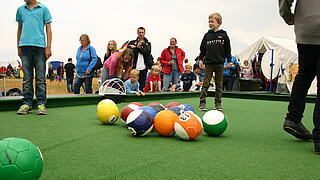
(188, 79)
(154, 81)
(215, 46)
(197, 71)
(246, 69)
(132, 84)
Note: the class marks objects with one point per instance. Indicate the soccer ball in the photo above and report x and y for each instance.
(107, 112)
(214, 122)
(19, 159)
(189, 126)
(139, 122)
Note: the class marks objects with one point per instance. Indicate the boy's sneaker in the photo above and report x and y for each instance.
(42, 110)
(219, 107)
(24, 109)
(202, 106)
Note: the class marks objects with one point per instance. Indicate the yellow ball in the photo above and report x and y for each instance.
(107, 112)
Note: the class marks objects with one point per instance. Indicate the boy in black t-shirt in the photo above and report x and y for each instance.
(69, 68)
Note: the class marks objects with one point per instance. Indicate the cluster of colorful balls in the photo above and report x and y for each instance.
(174, 118)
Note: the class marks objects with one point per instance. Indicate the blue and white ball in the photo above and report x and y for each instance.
(186, 107)
(178, 110)
(139, 123)
(150, 110)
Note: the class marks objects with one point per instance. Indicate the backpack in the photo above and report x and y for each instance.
(235, 72)
(98, 65)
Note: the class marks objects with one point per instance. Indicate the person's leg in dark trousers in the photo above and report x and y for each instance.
(40, 70)
(309, 57)
(27, 68)
(208, 73)
(218, 69)
(88, 85)
(69, 84)
(77, 84)
(142, 78)
(227, 83)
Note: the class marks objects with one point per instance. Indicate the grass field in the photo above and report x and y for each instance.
(53, 87)
(75, 145)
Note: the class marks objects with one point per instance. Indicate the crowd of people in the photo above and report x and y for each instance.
(11, 71)
(171, 72)
(135, 65)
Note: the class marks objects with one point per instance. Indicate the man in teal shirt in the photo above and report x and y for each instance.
(34, 48)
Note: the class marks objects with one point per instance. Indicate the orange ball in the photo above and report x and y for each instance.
(189, 126)
(164, 122)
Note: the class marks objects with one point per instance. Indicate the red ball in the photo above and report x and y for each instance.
(127, 110)
(154, 103)
(137, 103)
(172, 104)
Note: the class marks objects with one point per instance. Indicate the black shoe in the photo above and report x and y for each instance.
(317, 147)
(297, 130)
(202, 106)
(219, 107)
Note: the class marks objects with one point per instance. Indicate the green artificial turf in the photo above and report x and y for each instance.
(75, 145)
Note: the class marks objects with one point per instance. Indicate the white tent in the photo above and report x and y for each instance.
(285, 54)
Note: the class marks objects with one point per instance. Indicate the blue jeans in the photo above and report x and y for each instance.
(78, 83)
(33, 58)
(173, 77)
(104, 75)
(70, 84)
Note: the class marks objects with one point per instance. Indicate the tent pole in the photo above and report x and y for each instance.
(271, 66)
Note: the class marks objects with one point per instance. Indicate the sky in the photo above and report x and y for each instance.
(244, 20)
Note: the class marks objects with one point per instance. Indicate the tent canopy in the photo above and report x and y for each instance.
(285, 50)
(285, 54)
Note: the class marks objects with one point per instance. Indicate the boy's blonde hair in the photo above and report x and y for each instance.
(155, 67)
(188, 65)
(217, 17)
(134, 72)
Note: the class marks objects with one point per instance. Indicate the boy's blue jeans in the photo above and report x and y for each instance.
(33, 60)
